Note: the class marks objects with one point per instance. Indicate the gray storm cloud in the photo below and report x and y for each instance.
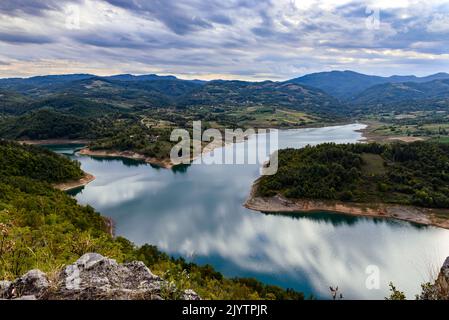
(244, 39)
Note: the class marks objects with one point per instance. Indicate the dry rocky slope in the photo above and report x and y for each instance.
(439, 290)
(92, 277)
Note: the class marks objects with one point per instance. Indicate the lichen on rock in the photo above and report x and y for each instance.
(92, 277)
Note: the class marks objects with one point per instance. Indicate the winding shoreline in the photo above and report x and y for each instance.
(164, 163)
(370, 136)
(279, 204)
(74, 184)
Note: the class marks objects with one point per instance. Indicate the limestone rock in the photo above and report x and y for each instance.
(4, 286)
(190, 295)
(93, 277)
(32, 283)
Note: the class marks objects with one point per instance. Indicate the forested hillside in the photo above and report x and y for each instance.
(412, 174)
(240, 93)
(407, 96)
(47, 124)
(35, 163)
(127, 92)
(41, 227)
(113, 110)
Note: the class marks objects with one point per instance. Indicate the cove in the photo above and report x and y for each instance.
(196, 212)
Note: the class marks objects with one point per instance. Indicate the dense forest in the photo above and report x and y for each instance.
(412, 174)
(36, 163)
(118, 132)
(128, 135)
(46, 124)
(44, 228)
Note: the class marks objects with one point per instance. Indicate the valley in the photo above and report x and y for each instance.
(126, 113)
(224, 150)
(123, 124)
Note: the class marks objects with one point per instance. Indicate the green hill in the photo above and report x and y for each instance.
(411, 174)
(273, 94)
(46, 124)
(36, 163)
(12, 102)
(395, 96)
(347, 85)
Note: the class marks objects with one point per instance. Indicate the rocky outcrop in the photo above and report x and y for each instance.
(34, 283)
(94, 277)
(440, 289)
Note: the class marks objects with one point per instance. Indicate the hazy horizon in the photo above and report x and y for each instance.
(183, 78)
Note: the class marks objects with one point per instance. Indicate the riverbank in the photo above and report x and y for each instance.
(74, 184)
(279, 204)
(207, 147)
(164, 163)
(370, 135)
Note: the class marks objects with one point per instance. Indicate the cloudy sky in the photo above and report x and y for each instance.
(229, 39)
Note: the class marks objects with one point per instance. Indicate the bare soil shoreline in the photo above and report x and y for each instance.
(370, 136)
(164, 163)
(74, 184)
(279, 204)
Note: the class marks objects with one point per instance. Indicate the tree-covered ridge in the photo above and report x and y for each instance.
(46, 124)
(44, 228)
(412, 174)
(36, 163)
(138, 93)
(346, 85)
(132, 136)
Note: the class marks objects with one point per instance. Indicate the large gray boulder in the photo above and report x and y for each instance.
(33, 283)
(4, 286)
(94, 277)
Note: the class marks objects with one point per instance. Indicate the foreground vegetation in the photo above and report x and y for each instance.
(408, 174)
(41, 227)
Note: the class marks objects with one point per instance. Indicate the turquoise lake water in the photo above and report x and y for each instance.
(196, 212)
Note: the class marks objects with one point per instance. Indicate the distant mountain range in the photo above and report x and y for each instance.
(347, 85)
(69, 92)
(389, 93)
(338, 93)
(280, 94)
(404, 96)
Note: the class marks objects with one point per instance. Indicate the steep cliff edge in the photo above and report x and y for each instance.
(94, 277)
(440, 289)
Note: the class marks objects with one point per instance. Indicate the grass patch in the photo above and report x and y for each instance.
(372, 165)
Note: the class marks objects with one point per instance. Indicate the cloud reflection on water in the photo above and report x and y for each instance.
(199, 213)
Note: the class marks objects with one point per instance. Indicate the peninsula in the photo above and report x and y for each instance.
(399, 181)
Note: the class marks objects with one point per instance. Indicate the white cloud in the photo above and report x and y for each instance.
(439, 23)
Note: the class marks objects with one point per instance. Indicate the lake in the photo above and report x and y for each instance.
(196, 212)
